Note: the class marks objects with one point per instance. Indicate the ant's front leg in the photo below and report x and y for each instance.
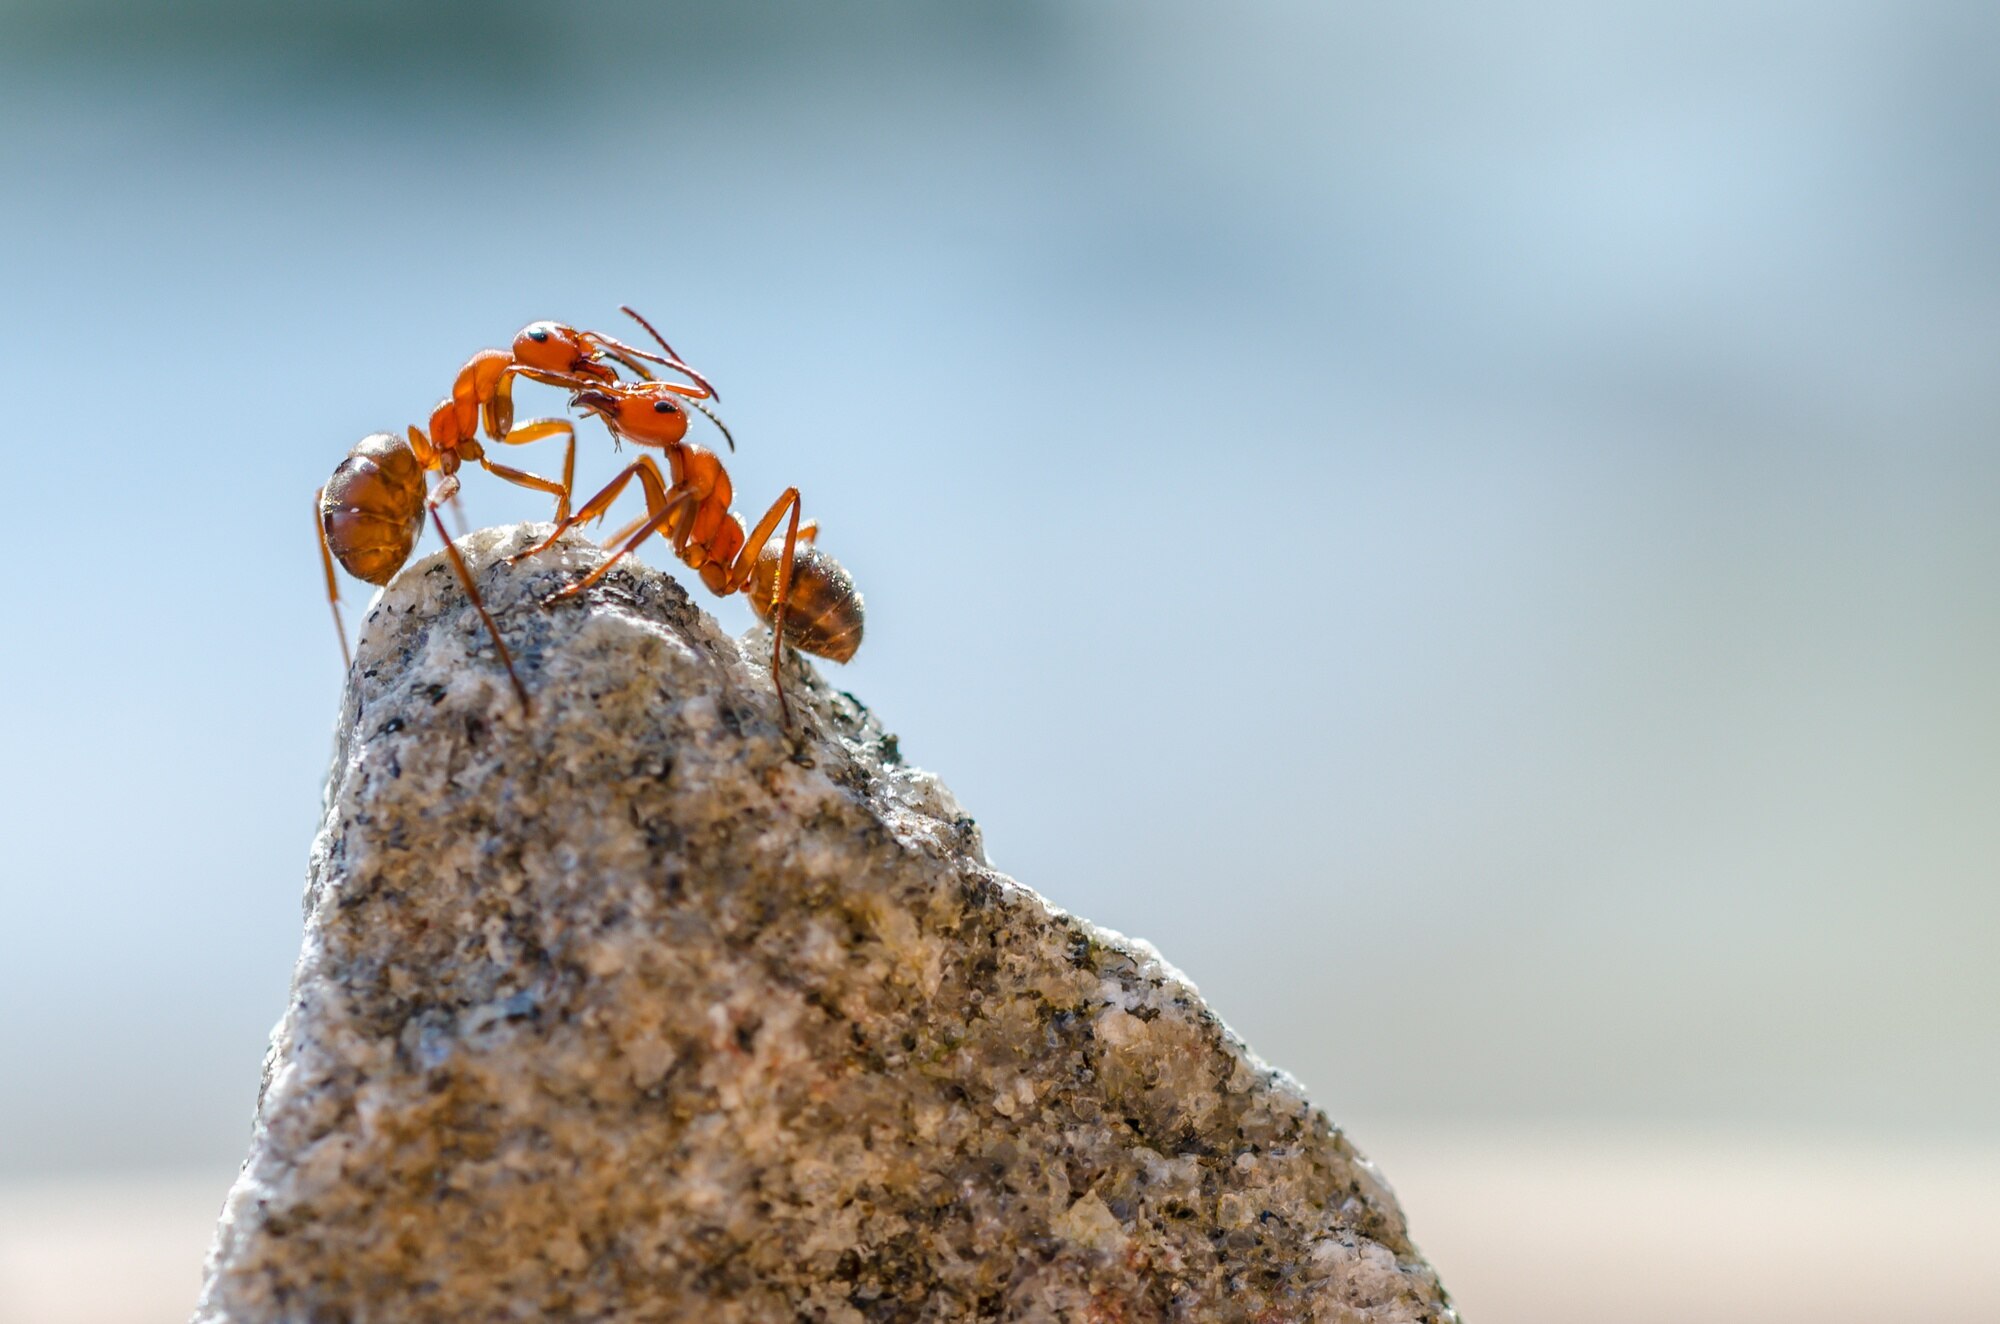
(645, 469)
(535, 430)
(659, 520)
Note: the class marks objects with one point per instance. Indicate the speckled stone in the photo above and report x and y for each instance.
(640, 1007)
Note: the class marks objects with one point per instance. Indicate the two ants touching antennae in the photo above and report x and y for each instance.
(371, 513)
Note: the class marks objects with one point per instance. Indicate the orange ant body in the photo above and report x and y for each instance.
(370, 514)
(806, 596)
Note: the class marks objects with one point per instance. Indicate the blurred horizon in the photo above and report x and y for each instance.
(1471, 532)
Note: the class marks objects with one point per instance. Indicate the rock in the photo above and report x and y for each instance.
(641, 1007)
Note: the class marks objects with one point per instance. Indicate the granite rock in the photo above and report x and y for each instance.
(639, 1006)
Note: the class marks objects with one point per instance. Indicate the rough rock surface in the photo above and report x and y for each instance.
(641, 1007)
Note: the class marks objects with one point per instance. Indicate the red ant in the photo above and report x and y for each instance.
(806, 596)
(370, 514)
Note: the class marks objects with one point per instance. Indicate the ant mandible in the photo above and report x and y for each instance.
(805, 595)
(370, 514)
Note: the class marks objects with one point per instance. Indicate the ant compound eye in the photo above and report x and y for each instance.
(538, 336)
(664, 407)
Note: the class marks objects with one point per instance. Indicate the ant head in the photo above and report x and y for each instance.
(552, 347)
(644, 412)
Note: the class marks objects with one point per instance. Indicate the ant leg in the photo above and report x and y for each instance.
(630, 528)
(746, 565)
(445, 493)
(683, 389)
(496, 412)
(644, 468)
(522, 478)
(561, 380)
(458, 515)
(753, 546)
(332, 582)
(678, 537)
(778, 610)
(420, 446)
(569, 474)
(535, 430)
(484, 387)
(656, 522)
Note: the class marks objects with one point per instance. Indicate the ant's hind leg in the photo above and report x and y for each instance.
(746, 566)
(332, 581)
(464, 574)
(458, 514)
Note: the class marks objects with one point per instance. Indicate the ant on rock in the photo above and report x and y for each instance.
(805, 595)
(370, 514)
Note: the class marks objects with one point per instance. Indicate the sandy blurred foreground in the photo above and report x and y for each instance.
(1527, 1228)
(1554, 1227)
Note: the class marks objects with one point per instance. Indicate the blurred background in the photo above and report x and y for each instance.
(1471, 528)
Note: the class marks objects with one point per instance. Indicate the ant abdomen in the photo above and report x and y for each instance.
(372, 509)
(823, 610)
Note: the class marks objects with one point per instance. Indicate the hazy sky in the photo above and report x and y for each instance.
(1472, 531)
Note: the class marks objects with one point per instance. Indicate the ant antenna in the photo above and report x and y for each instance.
(713, 419)
(626, 354)
(630, 358)
(673, 357)
(632, 313)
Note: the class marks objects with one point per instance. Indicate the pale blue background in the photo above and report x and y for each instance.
(1473, 528)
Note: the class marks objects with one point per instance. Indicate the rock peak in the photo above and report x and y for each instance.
(642, 1006)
